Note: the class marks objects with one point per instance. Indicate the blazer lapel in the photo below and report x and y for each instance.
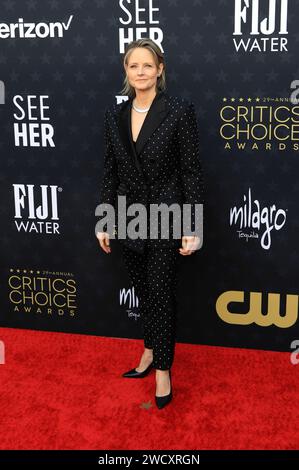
(153, 119)
(125, 131)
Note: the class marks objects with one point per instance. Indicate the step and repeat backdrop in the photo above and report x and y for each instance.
(60, 67)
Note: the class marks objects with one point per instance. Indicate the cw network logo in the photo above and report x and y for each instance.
(34, 30)
(250, 310)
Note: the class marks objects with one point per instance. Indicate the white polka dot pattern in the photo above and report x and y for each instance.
(170, 161)
(190, 166)
(172, 173)
(154, 276)
(110, 180)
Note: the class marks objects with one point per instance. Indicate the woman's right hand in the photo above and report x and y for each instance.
(104, 241)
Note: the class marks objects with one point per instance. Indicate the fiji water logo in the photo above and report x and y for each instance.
(264, 24)
(36, 208)
(255, 221)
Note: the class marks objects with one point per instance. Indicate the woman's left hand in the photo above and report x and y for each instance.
(189, 245)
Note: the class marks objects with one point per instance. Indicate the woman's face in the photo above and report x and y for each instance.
(141, 69)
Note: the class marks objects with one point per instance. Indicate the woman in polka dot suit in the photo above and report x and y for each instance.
(152, 157)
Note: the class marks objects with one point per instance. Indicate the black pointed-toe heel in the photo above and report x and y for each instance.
(134, 374)
(164, 400)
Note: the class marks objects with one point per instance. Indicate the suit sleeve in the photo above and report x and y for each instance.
(190, 163)
(110, 178)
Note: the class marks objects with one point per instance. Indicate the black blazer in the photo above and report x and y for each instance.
(165, 165)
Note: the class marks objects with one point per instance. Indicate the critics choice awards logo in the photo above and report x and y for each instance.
(42, 292)
(259, 124)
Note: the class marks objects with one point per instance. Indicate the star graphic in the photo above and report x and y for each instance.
(146, 405)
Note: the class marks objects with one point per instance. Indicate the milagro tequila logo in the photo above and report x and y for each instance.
(251, 218)
(36, 209)
(270, 29)
(128, 298)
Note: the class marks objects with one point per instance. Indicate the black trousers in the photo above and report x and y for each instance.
(154, 275)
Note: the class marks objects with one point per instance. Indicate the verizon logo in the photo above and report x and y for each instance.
(34, 30)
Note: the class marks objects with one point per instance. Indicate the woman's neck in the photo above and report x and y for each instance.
(143, 99)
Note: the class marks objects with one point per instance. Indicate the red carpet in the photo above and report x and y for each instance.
(63, 391)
